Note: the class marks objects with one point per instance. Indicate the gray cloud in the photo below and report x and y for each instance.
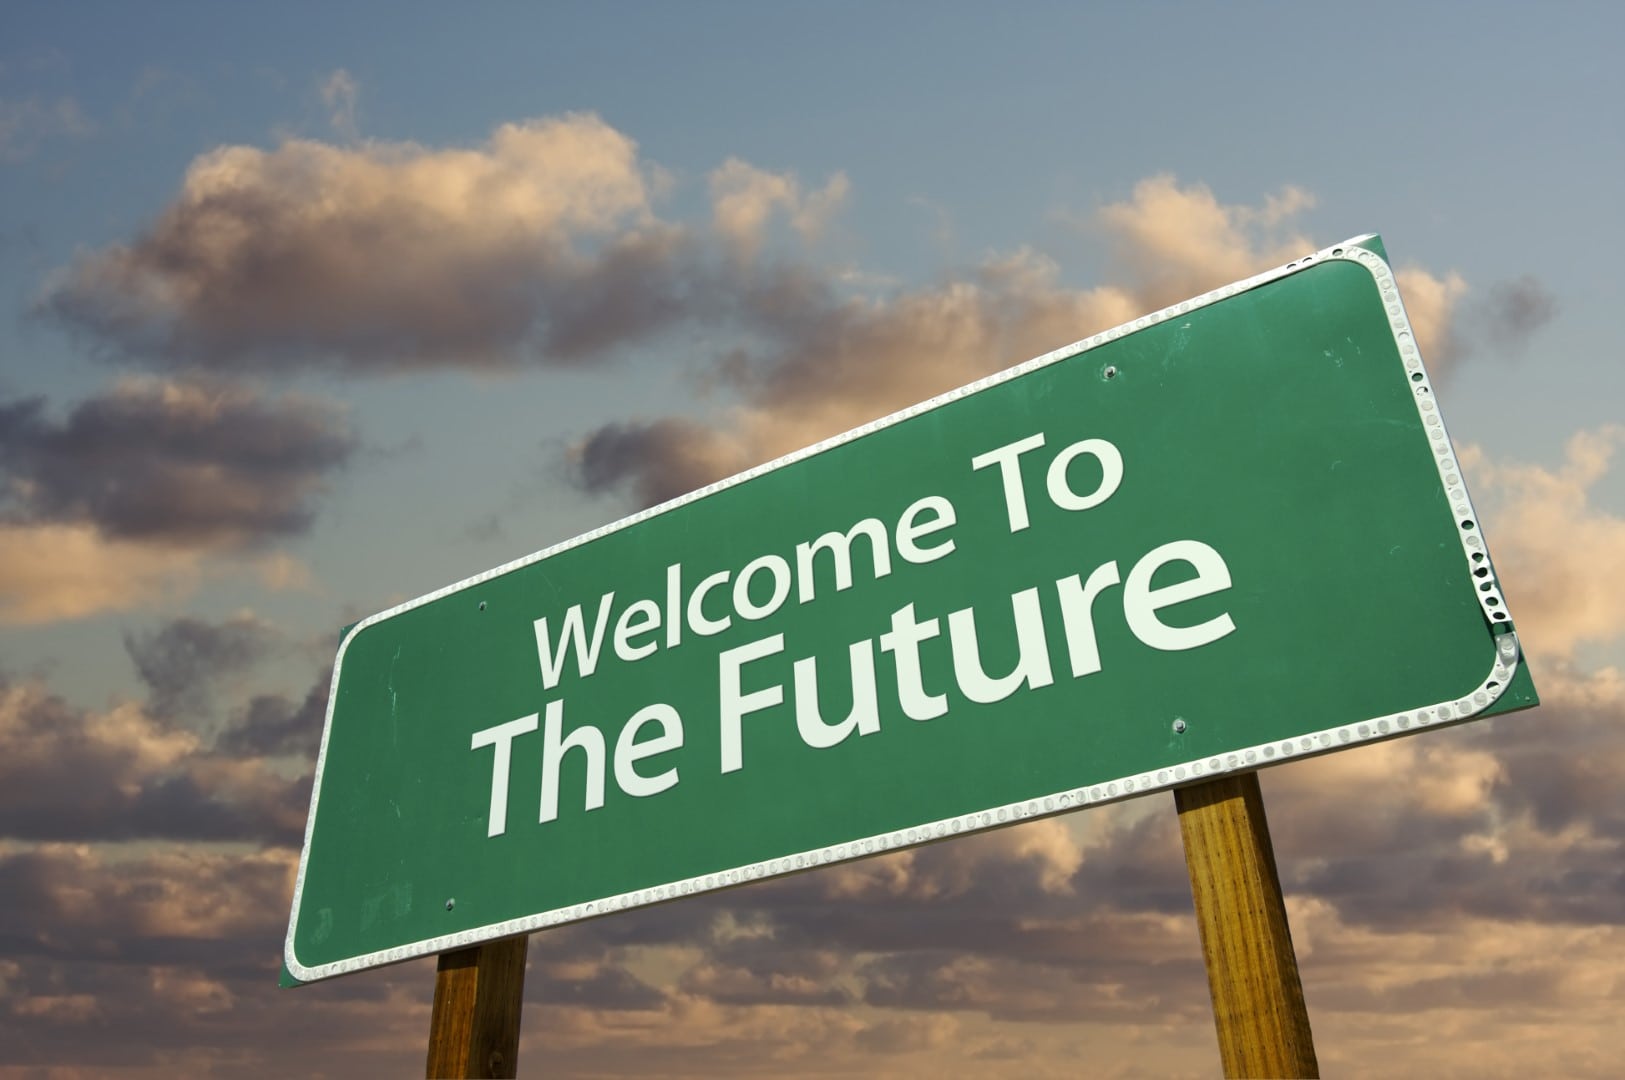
(630, 290)
(1508, 820)
(181, 660)
(75, 775)
(1164, 982)
(576, 970)
(746, 964)
(1512, 311)
(192, 464)
(72, 903)
(170, 957)
(659, 460)
(274, 725)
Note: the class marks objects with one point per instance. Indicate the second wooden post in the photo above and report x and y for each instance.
(479, 994)
(1252, 970)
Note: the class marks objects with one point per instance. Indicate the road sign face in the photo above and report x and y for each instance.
(1228, 535)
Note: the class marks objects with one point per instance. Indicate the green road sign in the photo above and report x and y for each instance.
(1230, 534)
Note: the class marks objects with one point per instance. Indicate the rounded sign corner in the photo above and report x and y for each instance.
(291, 966)
(353, 630)
(1504, 665)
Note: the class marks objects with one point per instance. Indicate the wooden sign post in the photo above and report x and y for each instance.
(478, 997)
(1252, 971)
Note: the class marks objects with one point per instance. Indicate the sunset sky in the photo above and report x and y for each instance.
(311, 309)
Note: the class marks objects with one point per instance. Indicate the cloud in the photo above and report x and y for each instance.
(1466, 997)
(832, 361)
(273, 725)
(542, 244)
(1508, 819)
(121, 774)
(776, 975)
(27, 123)
(1452, 325)
(181, 660)
(51, 573)
(79, 895)
(1430, 304)
(817, 359)
(54, 572)
(1560, 790)
(143, 491)
(339, 93)
(1560, 556)
(192, 464)
(1176, 242)
(1160, 985)
(744, 198)
(1019, 864)
(1512, 311)
(662, 460)
(387, 256)
(835, 360)
(171, 953)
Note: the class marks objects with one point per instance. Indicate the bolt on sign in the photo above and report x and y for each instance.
(1230, 534)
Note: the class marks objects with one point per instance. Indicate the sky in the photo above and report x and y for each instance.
(313, 309)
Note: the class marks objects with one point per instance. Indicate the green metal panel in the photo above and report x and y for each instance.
(1282, 426)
